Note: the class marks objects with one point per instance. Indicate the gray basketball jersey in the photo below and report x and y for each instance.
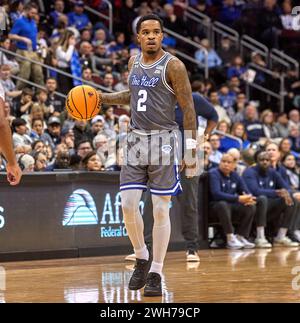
(152, 99)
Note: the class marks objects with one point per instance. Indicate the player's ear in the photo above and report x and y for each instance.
(138, 38)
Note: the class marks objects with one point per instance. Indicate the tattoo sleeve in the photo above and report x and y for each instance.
(177, 75)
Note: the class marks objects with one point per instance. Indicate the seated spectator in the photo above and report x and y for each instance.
(226, 50)
(97, 126)
(292, 171)
(285, 149)
(20, 137)
(77, 18)
(101, 61)
(267, 120)
(282, 125)
(55, 102)
(7, 59)
(105, 150)
(227, 99)
(26, 163)
(238, 130)
(38, 146)
(85, 35)
(286, 17)
(123, 84)
(172, 21)
(83, 148)
(229, 13)
(38, 131)
(62, 161)
(213, 60)
(238, 165)
(254, 128)
(207, 152)
(108, 81)
(294, 137)
(266, 183)
(15, 10)
(239, 107)
(87, 75)
(41, 99)
(294, 119)
(100, 38)
(80, 130)
(222, 114)
(68, 139)
(118, 44)
(111, 119)
(215, 155)
(58, 11)
(226, 142)
(8, 85)
(92, 162)
(23, 104)
(230, 200)
(237, 68)
(86, 53)
(54, 131)
(40, 162)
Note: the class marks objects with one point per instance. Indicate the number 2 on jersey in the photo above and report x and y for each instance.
(142, 99)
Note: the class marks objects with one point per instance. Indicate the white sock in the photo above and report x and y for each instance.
(230, 236)
(142, 253)
(161, 231)
(134, 222)
(156, 268)
(281, 233)
(260, 232)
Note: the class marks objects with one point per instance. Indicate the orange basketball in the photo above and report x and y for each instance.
(83, 102)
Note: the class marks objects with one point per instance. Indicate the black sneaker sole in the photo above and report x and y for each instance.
(137, 287)
(153, 293)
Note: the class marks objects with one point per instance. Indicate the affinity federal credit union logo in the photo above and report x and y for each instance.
(81, 210)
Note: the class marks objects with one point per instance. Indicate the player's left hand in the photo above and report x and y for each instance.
(14, 174)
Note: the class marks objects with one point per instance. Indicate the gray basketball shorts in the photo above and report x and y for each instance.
(153, 160)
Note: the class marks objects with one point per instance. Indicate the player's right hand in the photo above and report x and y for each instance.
(14, 174)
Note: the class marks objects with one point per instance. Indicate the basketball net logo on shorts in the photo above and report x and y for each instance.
(81, 210)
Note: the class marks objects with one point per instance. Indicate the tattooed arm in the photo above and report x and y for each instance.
(122, 97)
(179, 81)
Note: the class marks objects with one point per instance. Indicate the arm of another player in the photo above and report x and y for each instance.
(177, 76)
(122, 97)
(14, 172)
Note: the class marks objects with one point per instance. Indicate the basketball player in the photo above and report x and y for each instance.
(157, 80)
(14, 172)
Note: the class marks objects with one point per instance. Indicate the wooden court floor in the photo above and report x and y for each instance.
(221, 276)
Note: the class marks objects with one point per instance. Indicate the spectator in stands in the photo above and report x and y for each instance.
(108, 81)
(83, 148)
(208, 164)
(15, 10)
(267, 119)
(227, 99)
(292, 171)
(41, 99)
(86, 53)
(62, 161)
(282, 125)
(215, 155)
(97, 126)
(229, 13)
(123, 84)
(54, 131)
(24, 103)
(213, 59)
(127, 16)
(38, 146)
(20, 138)
(101, 61)
(230, 200)
(8, 85)
(24, 31)
(238, 130)
(59, 7)
(294, 137)
(285, 148)
(7, 59)
(80, 130)
(238, 165)
(54, 101)
(222, 114)
(87, 75)
(254, 128)
(7, 113)
(38, 131)
(86, 35)
(239, 107)
(78, 19)
(237, 68)
(68, 138)
(286, 17)
(266, 183)
(99, 38)
(173, 22)
(226, 50)
(40, 162)
(26, 163)
(294, 119)
(226, 142)
(66, 54)
(105, 150)
(92, 162)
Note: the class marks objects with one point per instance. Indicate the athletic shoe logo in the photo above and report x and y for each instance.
(80, 209)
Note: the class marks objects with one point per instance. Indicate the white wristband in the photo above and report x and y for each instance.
(191, 143)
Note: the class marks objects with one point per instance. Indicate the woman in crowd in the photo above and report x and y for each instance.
(92, 162)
